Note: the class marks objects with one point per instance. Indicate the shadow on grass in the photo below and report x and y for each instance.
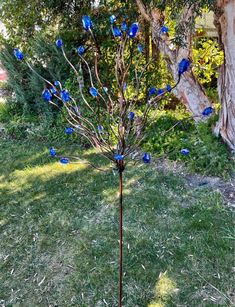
(59, 235)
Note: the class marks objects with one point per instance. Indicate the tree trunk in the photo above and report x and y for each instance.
(225, 22)
(189, 91)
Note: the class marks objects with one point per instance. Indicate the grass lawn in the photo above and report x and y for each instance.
(59, 235)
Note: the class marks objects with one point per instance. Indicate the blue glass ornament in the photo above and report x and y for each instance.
(47, 96)
(146, 158)
(185, 151)
(140, 48)
(100, 128)
(165, 29)
(117, 32)
(112, 19)
(208, 111)
(53, 90)
(124, 26)
(131, 115)
(168, 88)
(57, 83)
(124, 86)
(81, 50)
(65, 96)
(18, 54)
(52, 152)
(160, 91)
(69, 130)
(64, 161)
(87, 23)
(152, 91)
(59, 43)
(184, 66)
(93, 91)
(133, 30)
(118, 157)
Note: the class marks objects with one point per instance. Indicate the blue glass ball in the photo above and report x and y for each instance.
(131, 115)
(87, 23)
(81, 50)
(134, 28)
(57, 83)
(140, 48)
(93, 91)
(118, 157)
(185, 151)
(53, 90)
(18, 54)
(152, 91)
(124, 26)
(165, 29)
(69, 130)
(59, 43)
(168, 88)
(146, 158)
(46, 95)
(117, 32)
(208, 111)
(183, 66)
(100, 128)
(112, 19)
(65, 96)
(64, 161)
(52, 152)
(160, 91)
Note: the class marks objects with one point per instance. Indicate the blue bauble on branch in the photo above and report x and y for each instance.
(69, 130)
(140, 48)
(65, 96)
(152, 91)
(64, 161)
(53, 90)
(46, 95)
(118, 157)
(146, 158)
(81, 50)
(59, 43)
(184, 66)
(87, 23)
(124, 26)
(185, 151)
(131, 115)
(208, 111)
(117, 32)
(52, 152)
(134, 28)
(93, 91)
(112, 19)
(168, 88)
(164, 29)
(18, 54)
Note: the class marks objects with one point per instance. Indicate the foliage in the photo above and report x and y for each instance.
(208, 155)
(207, 58)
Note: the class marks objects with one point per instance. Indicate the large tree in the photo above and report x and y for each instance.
(190, 91)
(225, 22)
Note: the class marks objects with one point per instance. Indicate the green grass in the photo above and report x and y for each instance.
(59, 235)
(208, 154)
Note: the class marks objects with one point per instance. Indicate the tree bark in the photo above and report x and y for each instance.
(225, 22)
(189, 91)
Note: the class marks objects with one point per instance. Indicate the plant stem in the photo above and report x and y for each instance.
(120, 224)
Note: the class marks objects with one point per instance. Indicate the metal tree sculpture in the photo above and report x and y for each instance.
(111, 126)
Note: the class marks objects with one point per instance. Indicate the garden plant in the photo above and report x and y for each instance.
(111, 116)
